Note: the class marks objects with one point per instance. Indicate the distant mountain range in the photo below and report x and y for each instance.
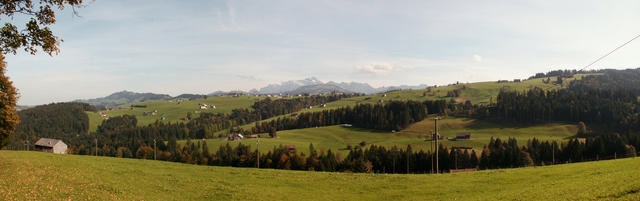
(125, 98)
(309, 85)
(303, 86)
(318, 89)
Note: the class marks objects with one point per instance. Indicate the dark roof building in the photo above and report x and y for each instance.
(463, 136)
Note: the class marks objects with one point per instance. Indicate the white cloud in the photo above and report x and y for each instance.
(379, 69)
(477, 58)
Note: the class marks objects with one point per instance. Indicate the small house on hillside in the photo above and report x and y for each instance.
(234, 137)
(51, 145)
(463, 136)
(202, 106)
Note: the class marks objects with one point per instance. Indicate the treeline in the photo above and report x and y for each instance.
(559, 73)
(394, 115)
(378, 159)
(55, 120)
(614, 108)
(268, 108)
(628, 79)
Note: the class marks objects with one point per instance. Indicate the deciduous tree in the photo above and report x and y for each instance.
(34, 35)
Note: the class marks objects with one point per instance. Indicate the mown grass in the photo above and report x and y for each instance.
(43, 176)
(172, 111)
(337, 138)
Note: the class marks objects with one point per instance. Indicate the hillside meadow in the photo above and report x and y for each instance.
(174, 112)
(337, 138)
(44, 176)
(477, 93)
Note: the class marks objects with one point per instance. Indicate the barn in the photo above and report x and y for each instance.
(51, 145)
(463, 136)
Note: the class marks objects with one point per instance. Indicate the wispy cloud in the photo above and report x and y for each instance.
(477, 58)
(378, 69)
(249, 77)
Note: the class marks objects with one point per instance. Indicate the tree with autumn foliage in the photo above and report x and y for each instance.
(34, 35)
(8, 101)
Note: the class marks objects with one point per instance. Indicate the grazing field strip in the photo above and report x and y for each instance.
(44, 176)
(337, 138)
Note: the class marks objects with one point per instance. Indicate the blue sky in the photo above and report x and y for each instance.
(176, 47)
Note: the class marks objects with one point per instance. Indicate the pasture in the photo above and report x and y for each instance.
(44, 176)
(339, 137)
(172, 111)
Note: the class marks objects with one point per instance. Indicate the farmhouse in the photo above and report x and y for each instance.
(234, 137)
(203, 106)
(51, 146)
(463, 136)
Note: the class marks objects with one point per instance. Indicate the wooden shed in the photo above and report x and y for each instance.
(463, 136)
(51, 145)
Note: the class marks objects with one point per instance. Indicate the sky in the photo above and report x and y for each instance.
(174, 47)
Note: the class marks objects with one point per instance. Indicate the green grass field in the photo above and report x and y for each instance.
(44, 176)
(338, 137)
(172, 111)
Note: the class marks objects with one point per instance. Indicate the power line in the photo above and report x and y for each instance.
(609, 53)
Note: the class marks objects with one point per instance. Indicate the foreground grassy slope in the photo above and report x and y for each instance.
(173, 111)
(42, 176)
(338, 137)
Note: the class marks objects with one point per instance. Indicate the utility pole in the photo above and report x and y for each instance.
(432, 137)
(258, 150)
(154, 149)
(456, 158)
(408, 161)
(553, 153)
(455, 150)
(96, 146)
(437, 135)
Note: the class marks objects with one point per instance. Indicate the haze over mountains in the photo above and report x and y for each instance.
(309, 85)
(303, 86)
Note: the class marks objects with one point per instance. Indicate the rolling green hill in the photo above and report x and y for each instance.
(338, 137)
(477, 93)
(172, 111)
(125, 98)
(43, 176)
